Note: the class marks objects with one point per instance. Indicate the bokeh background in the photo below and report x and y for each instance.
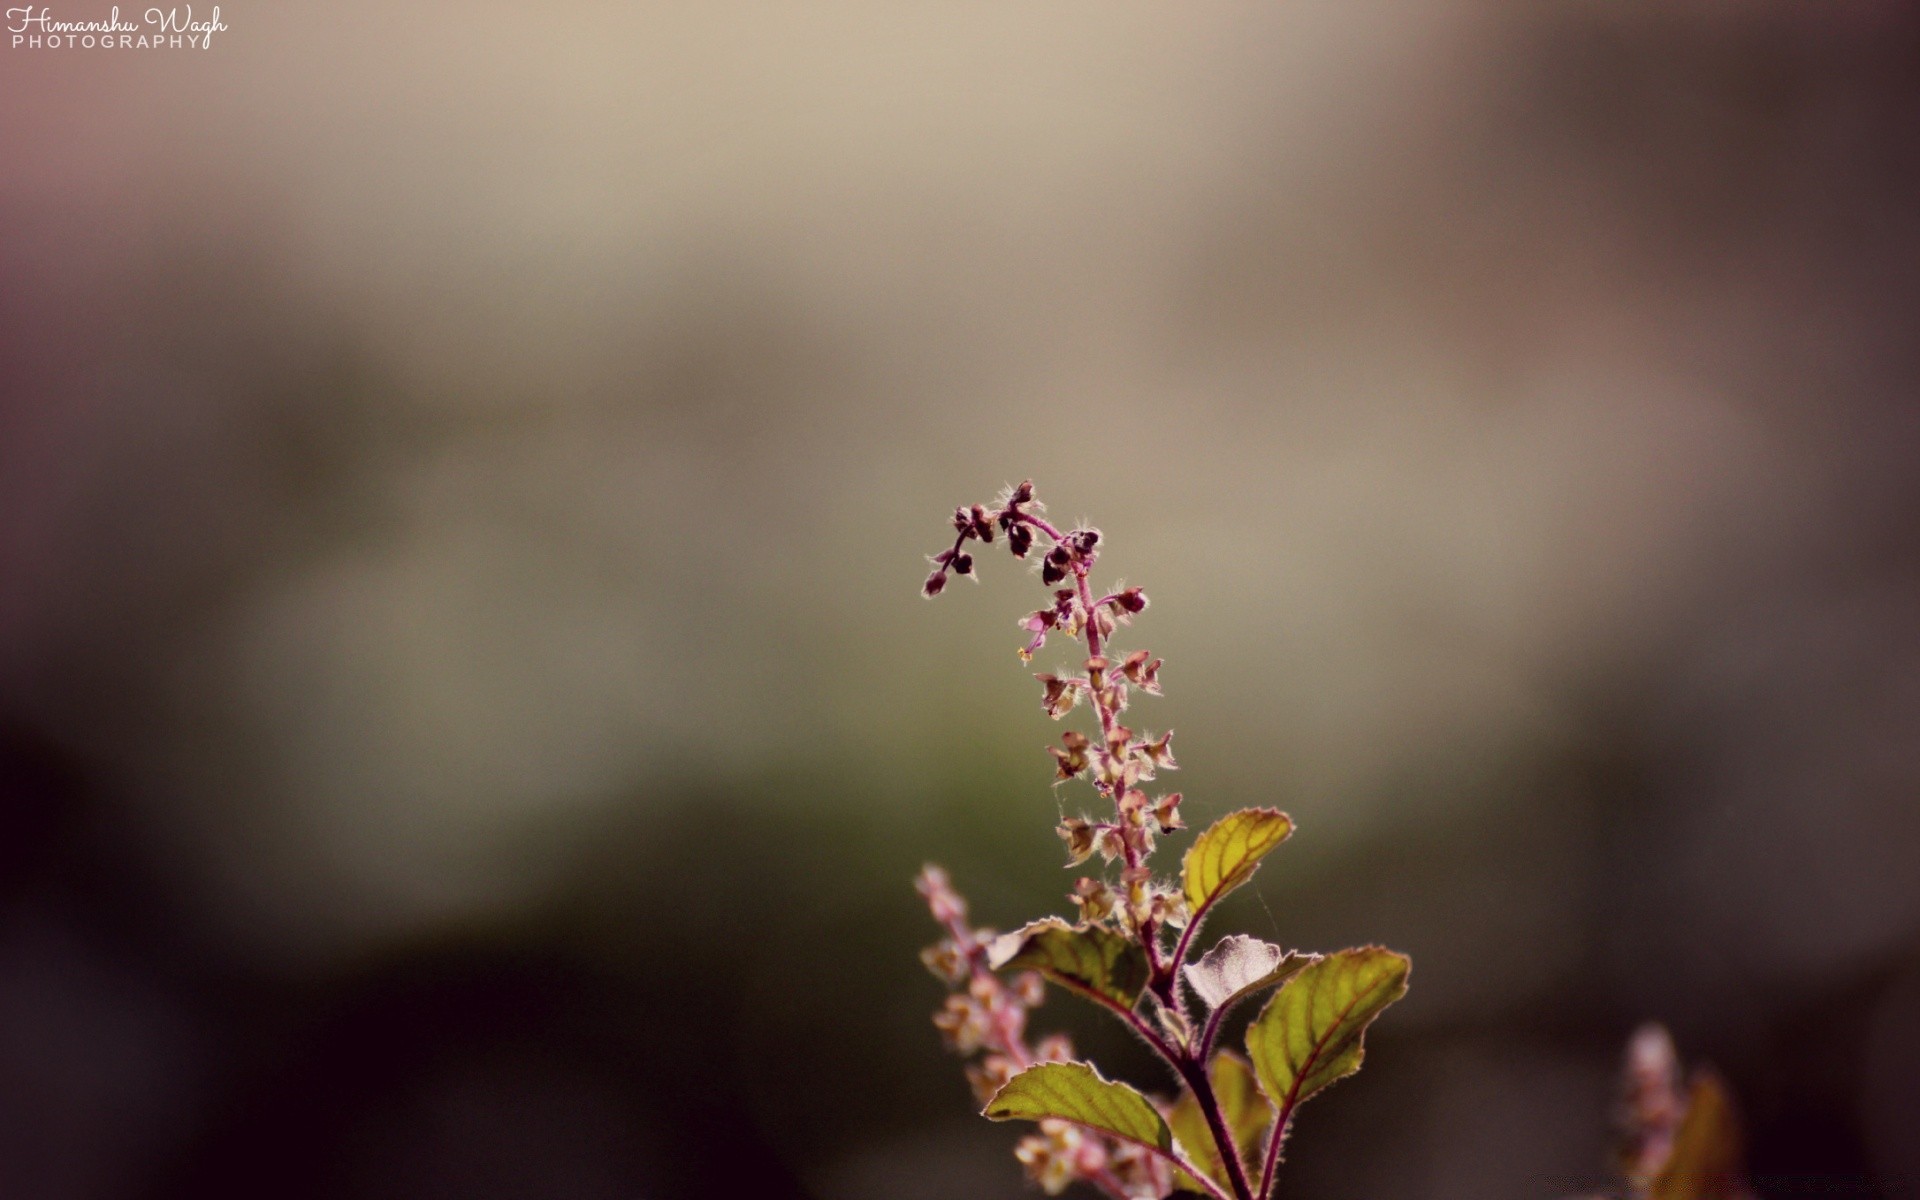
(467, 720)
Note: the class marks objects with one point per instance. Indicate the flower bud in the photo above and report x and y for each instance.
(1166, 813)
(1078, 833)
(944, 959)
(982, 524)
(1073, 759)
(963, 564)
(1054, 569)
(1159, 752)
(1058, 696)
(989, 1075)
(1019, 540)
(1055, 1047)
(1029, 989)
(1095, 899)
(1143, 671)
(963, 1023)
(948, 906)
(934, 584)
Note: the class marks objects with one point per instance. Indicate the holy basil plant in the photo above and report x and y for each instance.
(1133, 947)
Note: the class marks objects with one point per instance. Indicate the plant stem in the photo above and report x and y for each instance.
(1195, 1074)
(1187, 1060)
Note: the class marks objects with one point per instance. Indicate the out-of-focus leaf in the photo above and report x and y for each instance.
(1310, 1034)
(1226, 855)
(1247, 1115)
(1075, 1092)
(1094, 961)
(1239, 964)
(1706, 1163)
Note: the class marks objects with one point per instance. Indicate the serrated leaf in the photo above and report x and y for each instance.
(1247, 1113)
(1094, 960)
(1238, 965)
(1310, 1034)
(1706, 1160)
(1227, 854)
(1076, 1092)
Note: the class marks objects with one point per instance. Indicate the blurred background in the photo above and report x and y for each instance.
(467, 719)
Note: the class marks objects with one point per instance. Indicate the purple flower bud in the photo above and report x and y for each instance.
(1132, 600)
(962, 520)
(963, 564)
(1019, 540)
(1023, 493)
(935, 582)
(1054, 569)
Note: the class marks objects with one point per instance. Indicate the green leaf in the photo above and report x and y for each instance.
(1238, 965)
(1226, 855)
(1075, 1092)
(1706, 1160)
(1094, 961)
(1247, 1113)
(1309, 1035)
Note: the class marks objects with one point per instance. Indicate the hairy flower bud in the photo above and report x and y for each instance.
(1079, 834)
(1166, 813)
(935, 583)
(1059, 695)
(1073, 759)
(963, 564)
(1054, 568)
(1095, 899)
(1142, 671)
(1159, 752)
(1019, 539)
(982, 524)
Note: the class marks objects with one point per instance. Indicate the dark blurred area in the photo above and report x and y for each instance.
(468, 724)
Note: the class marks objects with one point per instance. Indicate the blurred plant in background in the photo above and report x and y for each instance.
(1677, 1142)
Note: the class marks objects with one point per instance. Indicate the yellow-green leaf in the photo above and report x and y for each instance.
(1075, 1092)
(1238, 965)
(1247, 1113)
(1310, 1033)
(1094, 960)
(1707, 1151)
(1226, 855)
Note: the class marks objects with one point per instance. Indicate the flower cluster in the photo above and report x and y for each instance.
(1129, 949)
(985, 1020)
